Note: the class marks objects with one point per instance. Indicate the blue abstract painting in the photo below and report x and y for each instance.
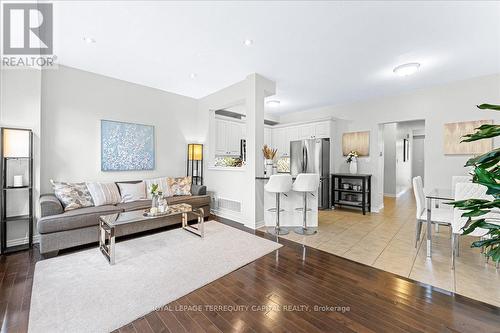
(127, 146)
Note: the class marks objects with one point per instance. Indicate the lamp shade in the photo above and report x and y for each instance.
(195, 152)
(16, 143)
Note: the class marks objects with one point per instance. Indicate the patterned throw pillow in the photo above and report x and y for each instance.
(180, 185)
(162, 186)
(72, 195)
(104, 193)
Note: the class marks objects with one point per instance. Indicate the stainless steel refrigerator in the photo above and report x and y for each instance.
(313, 156)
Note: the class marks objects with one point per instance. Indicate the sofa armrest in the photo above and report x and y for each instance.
(50, 205)
(198, 189)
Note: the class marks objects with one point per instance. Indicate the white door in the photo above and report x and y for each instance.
(418, 162)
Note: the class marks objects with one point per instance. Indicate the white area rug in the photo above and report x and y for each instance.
(81, 292)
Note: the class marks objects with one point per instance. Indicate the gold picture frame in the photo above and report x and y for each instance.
(358, 141)
(453, 133)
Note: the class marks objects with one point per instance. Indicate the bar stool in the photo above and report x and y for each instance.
(305, 183)
(278, 184)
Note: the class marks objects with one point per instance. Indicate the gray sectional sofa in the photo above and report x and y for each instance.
(60, 230)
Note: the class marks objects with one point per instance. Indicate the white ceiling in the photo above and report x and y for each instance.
(319, 53)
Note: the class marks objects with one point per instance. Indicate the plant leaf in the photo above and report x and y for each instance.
(482, 132)
(489, 107)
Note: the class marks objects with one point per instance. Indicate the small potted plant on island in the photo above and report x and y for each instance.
(352, 160)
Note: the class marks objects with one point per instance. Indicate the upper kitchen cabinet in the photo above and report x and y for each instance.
(228, 136)
(282, 135)
(268, 136)
(322, 129)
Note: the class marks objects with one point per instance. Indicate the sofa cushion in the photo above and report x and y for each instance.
(74, 219)
(195, 201)
(162, 186)
(134, 205)
(132, 192)
(72, 195)
(180, 185)
(104, 193)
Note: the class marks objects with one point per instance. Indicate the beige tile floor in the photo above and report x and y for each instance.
(385, 240)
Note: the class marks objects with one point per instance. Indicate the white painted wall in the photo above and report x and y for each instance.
(20, 107)
(238, 184)
(74, 102)
(390, 131)
(436, 105)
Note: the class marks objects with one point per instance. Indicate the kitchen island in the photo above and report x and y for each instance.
(289, 217)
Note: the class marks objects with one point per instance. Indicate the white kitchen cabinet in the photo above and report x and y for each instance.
(292, 134)
(322, 129)
(220, 137)
(306, 131)
(228, 135)
(282, 136)
(268, 139)
(279, 138)
(235, 134)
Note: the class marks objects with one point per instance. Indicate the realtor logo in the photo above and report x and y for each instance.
(27, 29)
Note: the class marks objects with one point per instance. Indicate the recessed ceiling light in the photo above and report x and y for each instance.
(407, 69)
(273, 103)
(193, 75)
(248, 42)
(89, 40)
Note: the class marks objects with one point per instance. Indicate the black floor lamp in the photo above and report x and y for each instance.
(195, 163)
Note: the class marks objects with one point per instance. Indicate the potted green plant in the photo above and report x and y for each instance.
(486, 171)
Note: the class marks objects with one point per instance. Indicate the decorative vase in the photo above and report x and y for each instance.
(353, 166)
(268, 167)
(154, 201)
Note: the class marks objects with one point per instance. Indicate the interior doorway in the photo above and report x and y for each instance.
(403, 155)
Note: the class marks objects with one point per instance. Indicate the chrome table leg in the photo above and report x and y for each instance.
(429, 228)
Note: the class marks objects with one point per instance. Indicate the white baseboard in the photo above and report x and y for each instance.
(259, 224)
(21, 241)
(228, 215)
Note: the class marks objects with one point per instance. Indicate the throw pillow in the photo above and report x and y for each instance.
(132, 191)
(162, 186)
(104, 193)
(72, 195)
(180, 185)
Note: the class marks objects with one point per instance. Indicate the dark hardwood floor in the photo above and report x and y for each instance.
(294, 289)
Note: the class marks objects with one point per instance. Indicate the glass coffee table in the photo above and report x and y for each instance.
(109, 223)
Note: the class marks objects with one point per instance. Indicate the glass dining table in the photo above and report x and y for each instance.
(436, 194)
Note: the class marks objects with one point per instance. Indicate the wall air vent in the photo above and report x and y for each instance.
(228, 204)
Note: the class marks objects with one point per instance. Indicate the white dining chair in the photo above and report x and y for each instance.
(465, 191)
(440, 216)
(459, 179)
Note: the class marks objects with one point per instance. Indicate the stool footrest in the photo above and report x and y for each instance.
(301, 209)
(273, 210)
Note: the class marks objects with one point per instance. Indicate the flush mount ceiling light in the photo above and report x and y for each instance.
(248, 42)
(89, 40)
(273, 103)
(193, 75)
(407, 69)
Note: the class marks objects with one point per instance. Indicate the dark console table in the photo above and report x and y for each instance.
(352, 190)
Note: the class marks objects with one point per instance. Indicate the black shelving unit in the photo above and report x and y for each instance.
(7, 221)
(344, 196)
